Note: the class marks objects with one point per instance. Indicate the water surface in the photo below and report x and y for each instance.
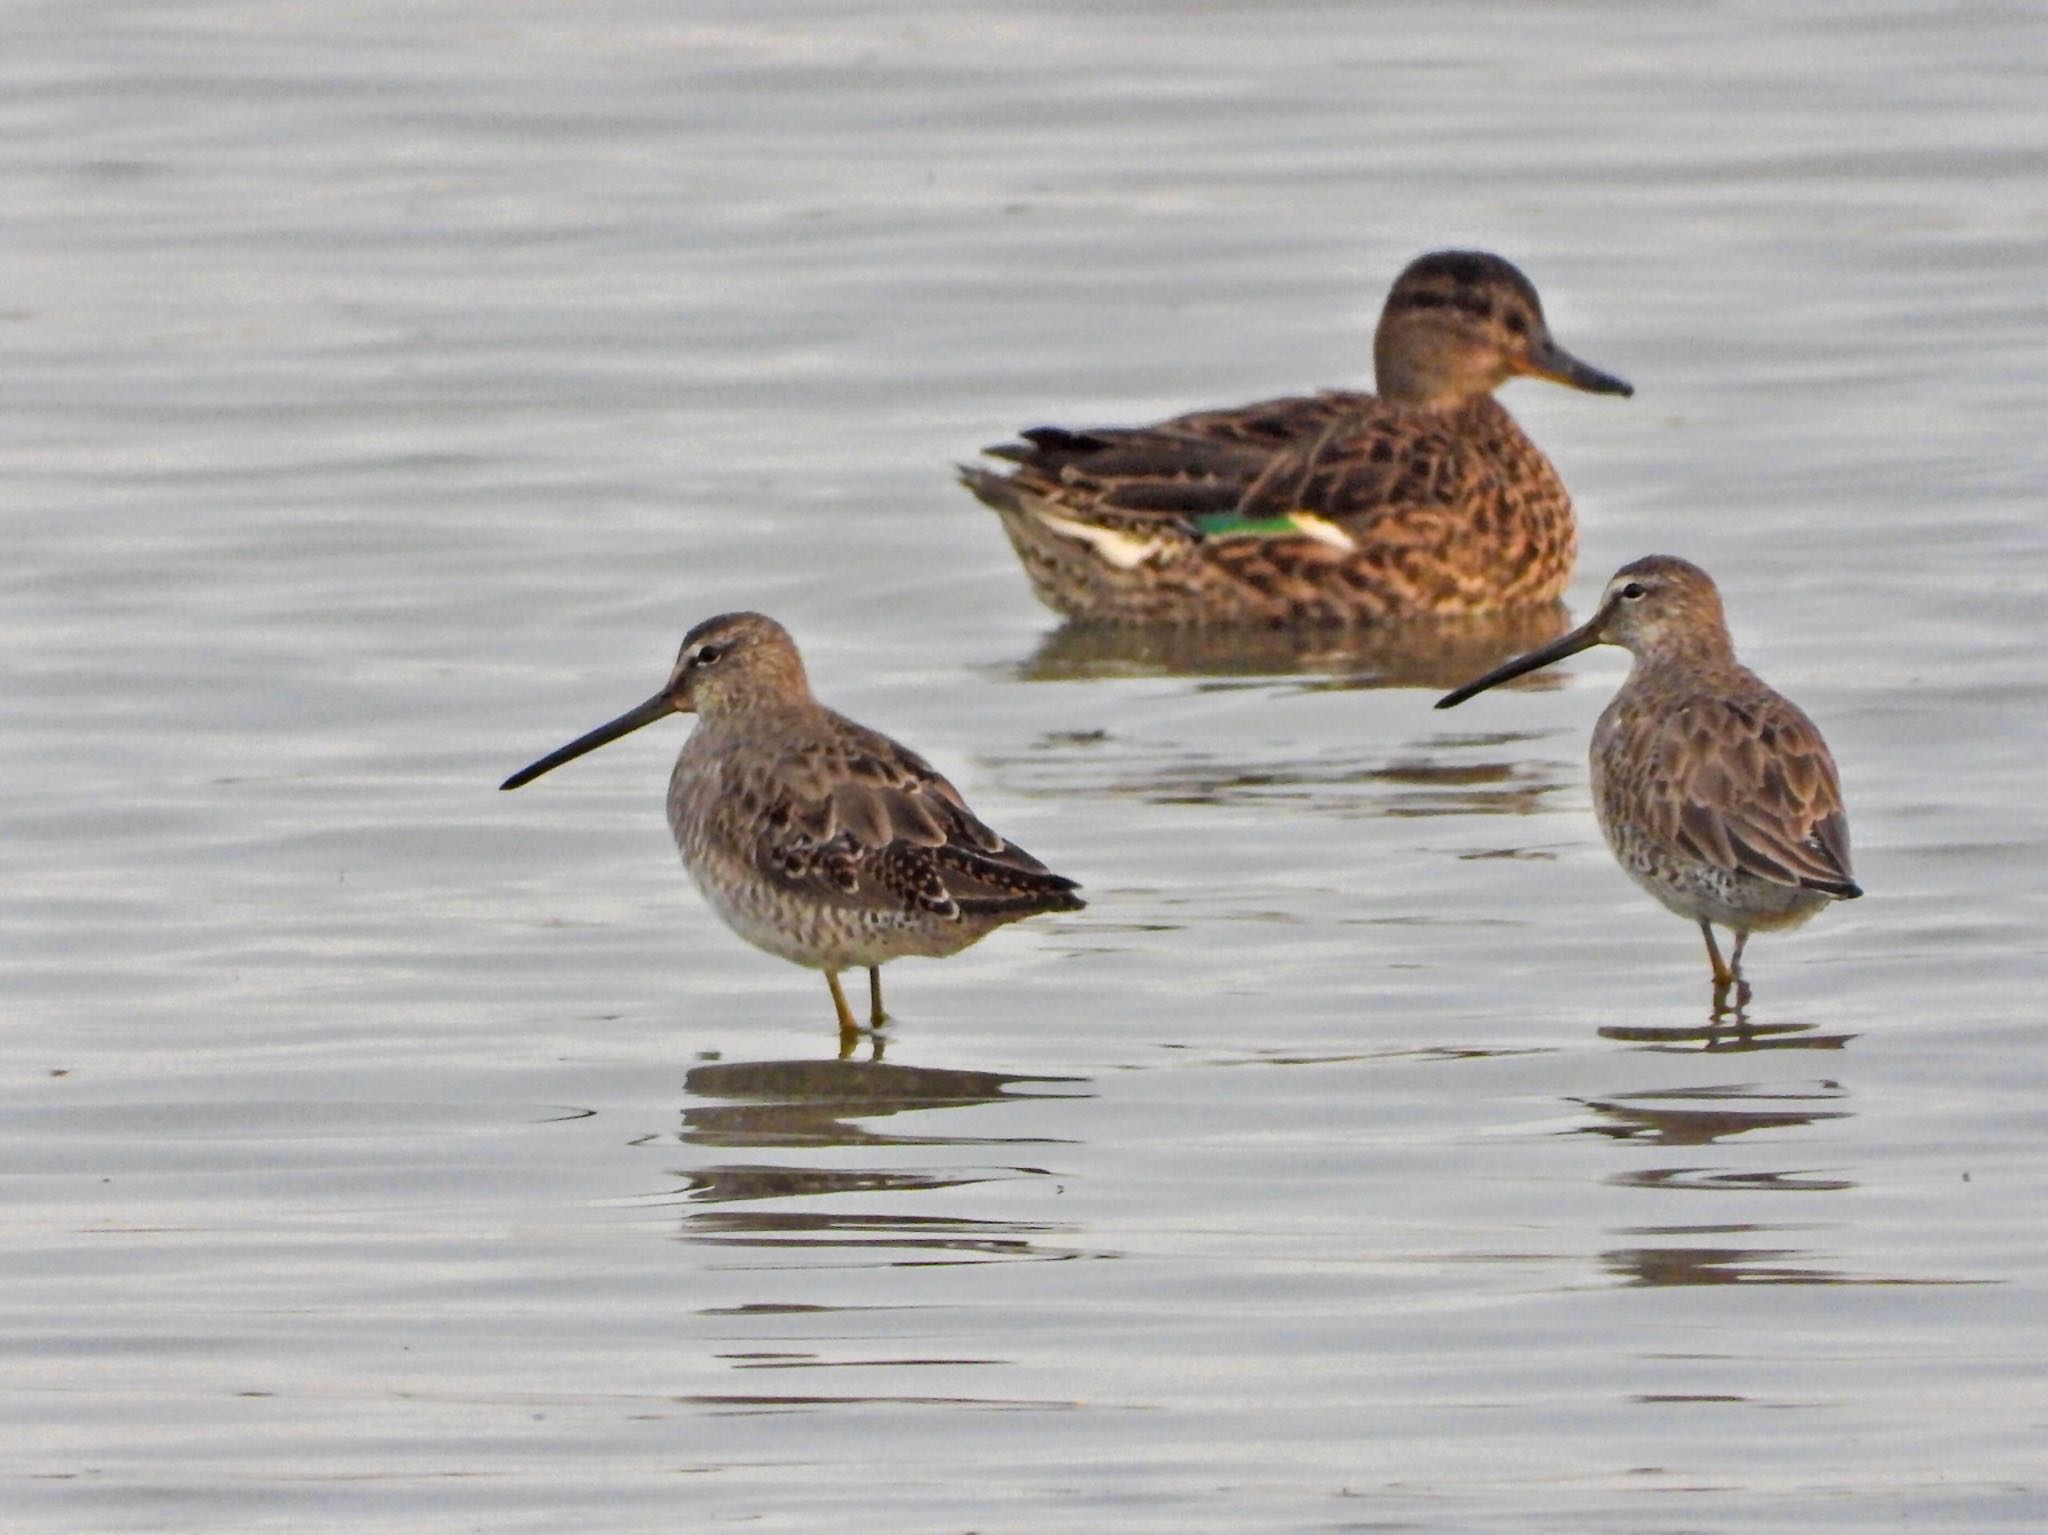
(389, 388)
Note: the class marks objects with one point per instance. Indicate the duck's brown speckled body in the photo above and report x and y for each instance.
(1334, 508)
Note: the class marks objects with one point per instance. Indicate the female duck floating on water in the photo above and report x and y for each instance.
(1336, 508)
(813, 837)
(1715, 793)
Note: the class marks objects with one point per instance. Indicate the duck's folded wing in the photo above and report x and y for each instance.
(1195, 466)
(1263, 428)
(1367, 474)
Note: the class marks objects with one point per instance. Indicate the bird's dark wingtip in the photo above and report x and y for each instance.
(1061, 894)
(989, 488)
(1840, 889)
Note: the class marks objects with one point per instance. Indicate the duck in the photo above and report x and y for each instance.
(1424, 498)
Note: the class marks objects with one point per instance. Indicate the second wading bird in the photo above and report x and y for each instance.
(812, 836)
(1715, 793)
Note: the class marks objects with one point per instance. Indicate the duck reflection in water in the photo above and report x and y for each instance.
(1404, 653)
(1205, 766)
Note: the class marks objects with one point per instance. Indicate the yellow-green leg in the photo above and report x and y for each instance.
(1723, 976)
(876, 1016)
(849, 1030)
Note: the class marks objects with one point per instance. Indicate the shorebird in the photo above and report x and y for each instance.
(813, 837)
(1333, 508)
(1715, 793)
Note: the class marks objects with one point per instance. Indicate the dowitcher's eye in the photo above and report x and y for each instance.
(706, 654)
(1635, 591)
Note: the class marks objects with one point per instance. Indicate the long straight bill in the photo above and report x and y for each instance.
(1585, 637)
(655, 708)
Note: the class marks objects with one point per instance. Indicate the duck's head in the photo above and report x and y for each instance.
(1462, 323)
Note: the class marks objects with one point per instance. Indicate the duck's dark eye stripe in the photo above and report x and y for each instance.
(1476, 305)
(1425, 300)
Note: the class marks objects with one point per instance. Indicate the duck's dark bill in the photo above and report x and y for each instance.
(1551, 361)
(657, 707)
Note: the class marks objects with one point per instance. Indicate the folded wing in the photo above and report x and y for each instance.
(1752, 787)
(867, 824)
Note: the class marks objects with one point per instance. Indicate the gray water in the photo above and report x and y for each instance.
(387, 387)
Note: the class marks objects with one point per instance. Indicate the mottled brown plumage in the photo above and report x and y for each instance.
(1715, 792)
(1336, 508)
(814, 837)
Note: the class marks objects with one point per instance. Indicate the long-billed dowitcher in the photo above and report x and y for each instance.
(814, 837)
(1334, 508)
(1715, 793)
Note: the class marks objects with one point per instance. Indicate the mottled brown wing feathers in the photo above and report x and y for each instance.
(1190, 466)
(1380, 475)
(869, 824)
(1265, 426)
(1369, 475)
(1831, 832)
(1752, 787)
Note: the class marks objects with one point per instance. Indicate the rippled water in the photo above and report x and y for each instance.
(389, 387)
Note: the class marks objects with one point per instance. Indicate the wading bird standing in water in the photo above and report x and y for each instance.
(1715, 793)
(811, 836)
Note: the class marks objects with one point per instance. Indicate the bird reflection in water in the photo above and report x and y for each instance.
(1725, 1264)
(1413, 653)
(1707, 1116)
(1701, 1116)
(1710, 1116)
(1729, 1031)
(816, 1103)
(812, 1105)
(1717, 1265)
